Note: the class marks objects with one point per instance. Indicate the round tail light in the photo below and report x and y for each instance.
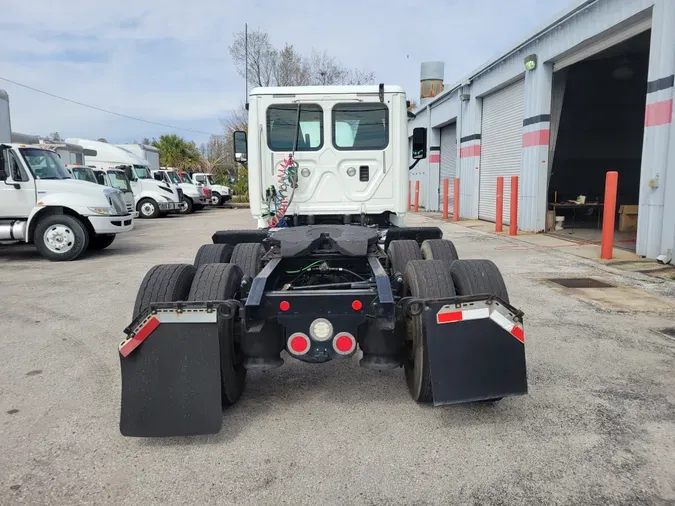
(344, 343)
(298, 344)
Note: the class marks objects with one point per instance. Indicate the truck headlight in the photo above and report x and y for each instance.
(103, 211)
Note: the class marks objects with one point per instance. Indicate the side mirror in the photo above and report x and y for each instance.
(419, 143)
(240, 147)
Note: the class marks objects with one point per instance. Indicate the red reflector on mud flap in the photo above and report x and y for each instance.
(449, 314)
(131, 344)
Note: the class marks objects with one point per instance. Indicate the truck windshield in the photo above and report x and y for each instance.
(84, 174)
(142, 172)
(185, 177)
(44, 164)
(173, 177)
(360, 126)
(119, 180)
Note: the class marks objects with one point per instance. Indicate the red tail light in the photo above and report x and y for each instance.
(344, 343)
(298, 344)
(284, 305)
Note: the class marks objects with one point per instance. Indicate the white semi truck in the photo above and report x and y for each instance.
(194, 197)
(42, 204)
(145, 151)
(152, 198)
(219, 193)
(356, 282)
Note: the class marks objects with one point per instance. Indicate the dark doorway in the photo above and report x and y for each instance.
(601, 129)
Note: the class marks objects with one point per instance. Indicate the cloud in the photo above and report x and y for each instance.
(168, 62)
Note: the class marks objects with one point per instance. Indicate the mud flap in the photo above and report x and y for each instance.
(476, 352)
(171, 383)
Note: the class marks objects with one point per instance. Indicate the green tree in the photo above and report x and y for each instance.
(174, 151)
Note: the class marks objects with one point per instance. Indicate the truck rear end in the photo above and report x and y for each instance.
(349, 147)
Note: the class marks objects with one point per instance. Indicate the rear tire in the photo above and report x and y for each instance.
(60, 237)
(213, 254)
(164, 283)
(422, 279)
(101, 241)
(248, 256)
(401, 252)
(222, 282)
(439, 249)
(476, 277)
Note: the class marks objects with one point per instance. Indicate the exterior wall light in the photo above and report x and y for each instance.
(531, 62)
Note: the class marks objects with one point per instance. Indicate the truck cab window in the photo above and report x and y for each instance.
(281, 127)
(16, 171)
(360, 126)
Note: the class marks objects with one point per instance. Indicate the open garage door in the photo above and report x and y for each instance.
(502, 146)
(603, 42)
(448, 160)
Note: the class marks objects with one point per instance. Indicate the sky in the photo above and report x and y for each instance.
(167, 61)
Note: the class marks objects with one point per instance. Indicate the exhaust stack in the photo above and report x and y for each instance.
(431, 80)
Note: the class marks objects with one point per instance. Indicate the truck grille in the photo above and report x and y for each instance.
(180, 194)
(117, 202)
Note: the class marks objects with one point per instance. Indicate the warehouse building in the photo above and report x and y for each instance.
(590, 92)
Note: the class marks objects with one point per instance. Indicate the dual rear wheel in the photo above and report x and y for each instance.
(434, 271)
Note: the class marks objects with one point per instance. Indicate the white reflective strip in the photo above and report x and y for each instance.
(476, 314)
(502, 321)
(187, 316)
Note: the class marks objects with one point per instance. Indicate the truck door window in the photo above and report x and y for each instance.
(100, 177)
(16, 171)
(361, 126)
(281, 127)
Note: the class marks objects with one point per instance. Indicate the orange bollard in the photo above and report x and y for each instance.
(417, 195)
(409, 195)
(446, 191)
(609, 210)
(513, 225)
(499, 218)
(455, 207)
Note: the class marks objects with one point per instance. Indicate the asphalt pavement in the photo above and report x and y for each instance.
(598, 426)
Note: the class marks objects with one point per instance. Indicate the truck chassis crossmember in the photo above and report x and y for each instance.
(316, 294)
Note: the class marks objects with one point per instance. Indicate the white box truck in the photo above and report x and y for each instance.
(145, 151)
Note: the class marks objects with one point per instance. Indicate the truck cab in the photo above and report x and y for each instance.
(194, 198)
(115, 178)
(62, 216)
(219, 193)
(327, 154)
(152, 198)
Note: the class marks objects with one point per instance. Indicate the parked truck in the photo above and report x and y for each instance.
(144, 151)
(331, 272)
(194, 197)
(219, 193)
(152, 198)
(42, 204)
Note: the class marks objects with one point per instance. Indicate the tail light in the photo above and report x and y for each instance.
(298, 344)
(344, 343)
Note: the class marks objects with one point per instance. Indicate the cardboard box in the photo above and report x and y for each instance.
(628, 217)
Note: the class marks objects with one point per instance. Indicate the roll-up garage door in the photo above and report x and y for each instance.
(501, 146)
(448, 160)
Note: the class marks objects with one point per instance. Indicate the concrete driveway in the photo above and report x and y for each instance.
(597, 428)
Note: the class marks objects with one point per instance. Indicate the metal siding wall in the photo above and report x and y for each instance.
(570, 35)
(533, 184)
(432, 190)
(656, 214)
(501, 151)
(448, 160)
(469, 157)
